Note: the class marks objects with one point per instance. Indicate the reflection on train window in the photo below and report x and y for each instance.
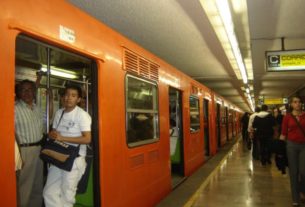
(194, 114)
(141, 111)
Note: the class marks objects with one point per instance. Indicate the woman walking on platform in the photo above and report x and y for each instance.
(293, 130)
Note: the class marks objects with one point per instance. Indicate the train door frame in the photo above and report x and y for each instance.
(233, 123)
(206, 128)
(218, 125)
(49, 46)
(227, 123)
(177, 169)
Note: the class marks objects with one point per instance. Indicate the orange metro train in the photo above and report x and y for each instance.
(152, 125)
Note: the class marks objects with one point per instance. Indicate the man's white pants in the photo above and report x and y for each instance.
(61, 185)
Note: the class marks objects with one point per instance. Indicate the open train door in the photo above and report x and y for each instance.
(52, 68)
(176, 136)
(206, 128)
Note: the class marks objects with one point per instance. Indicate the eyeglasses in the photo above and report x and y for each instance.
(26, 90)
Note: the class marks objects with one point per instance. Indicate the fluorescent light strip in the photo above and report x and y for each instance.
(225, 14)
(60, 73)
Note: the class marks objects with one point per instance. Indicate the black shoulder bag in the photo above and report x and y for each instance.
(58, 153)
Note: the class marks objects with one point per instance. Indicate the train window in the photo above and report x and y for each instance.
(142, 112)
(194, 114)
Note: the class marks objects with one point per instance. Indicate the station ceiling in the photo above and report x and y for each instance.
(180, 32)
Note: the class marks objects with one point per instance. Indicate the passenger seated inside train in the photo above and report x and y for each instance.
(140, 127)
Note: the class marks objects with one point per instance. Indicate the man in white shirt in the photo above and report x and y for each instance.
(251, 130)
(71, 125)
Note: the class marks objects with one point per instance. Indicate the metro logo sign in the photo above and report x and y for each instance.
(274, 60)
(289, 60)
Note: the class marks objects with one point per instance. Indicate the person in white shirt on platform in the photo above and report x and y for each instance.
(251, 130)
(74, 128)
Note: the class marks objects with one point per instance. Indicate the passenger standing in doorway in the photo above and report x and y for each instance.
(293, 130)
(174, 136)
(264, 124)
(252, 135)
(29, 132)
(73, 128)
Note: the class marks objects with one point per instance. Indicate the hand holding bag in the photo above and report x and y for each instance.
(58, 153)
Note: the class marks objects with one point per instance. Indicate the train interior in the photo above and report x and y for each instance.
(141, 112)
(52, 68)
(176, 136)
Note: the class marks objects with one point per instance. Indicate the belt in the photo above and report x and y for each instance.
(30, 144)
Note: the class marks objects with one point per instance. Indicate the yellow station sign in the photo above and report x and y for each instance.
(285, 60)
(273, 101)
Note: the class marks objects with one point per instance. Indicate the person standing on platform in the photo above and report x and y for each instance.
(245, 122)
(251, 130)
(278, 120)
(293, 130)
(264, 124)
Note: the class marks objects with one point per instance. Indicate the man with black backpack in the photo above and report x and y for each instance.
(264, 123)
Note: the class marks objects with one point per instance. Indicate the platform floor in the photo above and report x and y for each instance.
(232, 179)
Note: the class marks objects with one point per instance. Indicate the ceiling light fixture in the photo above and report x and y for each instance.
(225, 14)
(60, 72)
(251, 102)
(220, 17)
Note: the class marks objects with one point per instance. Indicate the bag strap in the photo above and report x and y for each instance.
(298, 123)
(62, 114)
(172, 132)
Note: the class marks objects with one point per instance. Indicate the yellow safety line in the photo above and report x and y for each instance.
(195, 196)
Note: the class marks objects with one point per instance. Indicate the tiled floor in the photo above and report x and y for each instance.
(242, 182)
(232, 179)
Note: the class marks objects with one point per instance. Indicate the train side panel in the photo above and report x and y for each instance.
(7, 80)
(121, 185)
(193, 146)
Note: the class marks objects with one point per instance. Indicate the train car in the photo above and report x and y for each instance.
(230, 123)
(152, 125)
(219, 120)
(226, 121)
(226, 111)
(237, 121)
